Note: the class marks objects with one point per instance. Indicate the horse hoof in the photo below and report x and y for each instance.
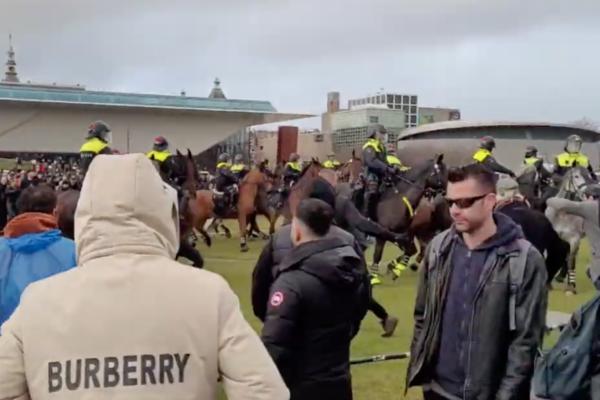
(414, 267)
(264, 236)
(244, 248)
(228, 235)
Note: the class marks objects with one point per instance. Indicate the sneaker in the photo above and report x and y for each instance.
(389, 326)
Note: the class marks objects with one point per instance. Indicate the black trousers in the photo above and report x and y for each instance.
(377, 309)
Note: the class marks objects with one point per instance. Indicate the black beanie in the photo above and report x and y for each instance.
(322, 190)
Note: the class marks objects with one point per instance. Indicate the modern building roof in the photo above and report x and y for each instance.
(38, 94)
(446, 126)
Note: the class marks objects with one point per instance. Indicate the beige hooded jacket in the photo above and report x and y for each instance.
(131, 323)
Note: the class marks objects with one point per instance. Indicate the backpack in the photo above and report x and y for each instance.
(564, 372)
(516, 264)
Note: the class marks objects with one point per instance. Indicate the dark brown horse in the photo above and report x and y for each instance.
(396, 208)
(183, 174)
(300, 189)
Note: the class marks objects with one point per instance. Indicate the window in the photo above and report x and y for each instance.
(319, 137)
(405, 99)
(398, 106)
(382, 98)
(373, 119)
(413, 100)
(413, 109)
(413, 119)
(390, 99)
(398, 99)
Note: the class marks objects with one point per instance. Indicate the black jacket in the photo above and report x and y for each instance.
(495, 166)
(86, 158)
(499, 362)
(273, 254)
(316, 302)
(375, 162)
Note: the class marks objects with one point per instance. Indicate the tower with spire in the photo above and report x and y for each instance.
(217, 92)
(11, 75)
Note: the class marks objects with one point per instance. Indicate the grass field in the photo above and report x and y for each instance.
(384, 380)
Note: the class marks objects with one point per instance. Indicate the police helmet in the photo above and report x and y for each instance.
(224, 157)
(488, 143)
(238, 158)
(374, 129)
(573, 144)
(160, 143)
(531, 151)
(99, 129)
(294, 157)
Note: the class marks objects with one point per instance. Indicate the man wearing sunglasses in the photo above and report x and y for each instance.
(481, 302)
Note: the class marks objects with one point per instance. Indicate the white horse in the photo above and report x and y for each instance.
(570, 227)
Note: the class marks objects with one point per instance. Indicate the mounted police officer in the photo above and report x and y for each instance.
(160, 152)
(374, 156)
(331, 162)
(531, 156)
(484, 156)
(226, 181)
(292, 170)
(95, 143)
(239, 168)
(572, 156)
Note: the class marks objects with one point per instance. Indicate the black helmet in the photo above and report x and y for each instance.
(488, 143)
(531, 151)
(374, 129)
(99, 129)
(160, 143)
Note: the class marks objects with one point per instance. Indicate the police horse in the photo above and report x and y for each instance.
(570, 227)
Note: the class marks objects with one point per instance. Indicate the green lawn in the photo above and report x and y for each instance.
(384, 380)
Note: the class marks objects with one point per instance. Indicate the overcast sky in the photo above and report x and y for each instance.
(494, 59)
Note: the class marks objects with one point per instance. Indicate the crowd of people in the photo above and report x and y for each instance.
(131, 322)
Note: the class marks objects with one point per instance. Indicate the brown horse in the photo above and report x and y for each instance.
(251, 201)
(300, 189)
(350, 171)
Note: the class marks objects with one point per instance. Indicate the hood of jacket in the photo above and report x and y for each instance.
(28, 223)
(33, 242)
(506, 232)
(125, 208)
(332, 260)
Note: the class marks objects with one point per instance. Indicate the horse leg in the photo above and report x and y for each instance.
(571, 276)
(206, 237)
(243, 231)
(400, 263)
(256, 228)
(186, 250)
(374, 268)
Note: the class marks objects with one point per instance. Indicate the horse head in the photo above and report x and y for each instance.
(575, 181)
(437, 177)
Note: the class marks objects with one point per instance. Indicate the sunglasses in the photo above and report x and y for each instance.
(465, 202)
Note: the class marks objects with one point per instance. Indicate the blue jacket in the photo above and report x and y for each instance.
(29, 258)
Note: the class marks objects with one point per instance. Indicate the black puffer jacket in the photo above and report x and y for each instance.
(273, 254)
(316, 302)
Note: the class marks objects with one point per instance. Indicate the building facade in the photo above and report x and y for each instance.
(404, 102)
(349, 127)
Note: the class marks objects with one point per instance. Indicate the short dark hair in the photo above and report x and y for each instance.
(66, 206)
(39, 198)
(316, 215)
(482, 174)
(322, 190)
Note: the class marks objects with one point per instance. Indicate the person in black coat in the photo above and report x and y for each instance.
(316, 303)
